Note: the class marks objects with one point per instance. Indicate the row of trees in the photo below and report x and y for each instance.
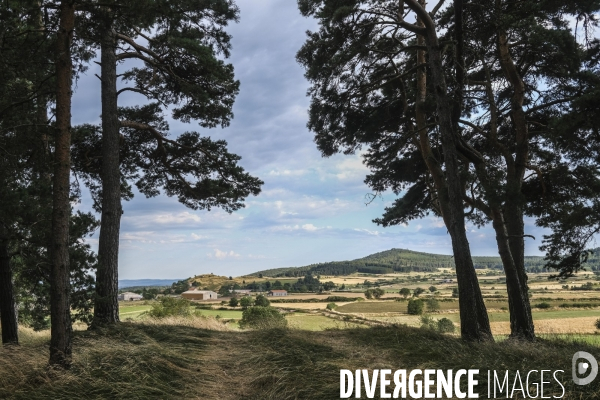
(484, 113)
(179, 48)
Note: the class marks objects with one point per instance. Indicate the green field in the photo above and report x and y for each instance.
(133, 312)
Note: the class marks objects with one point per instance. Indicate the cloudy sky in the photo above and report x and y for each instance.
(311, 209)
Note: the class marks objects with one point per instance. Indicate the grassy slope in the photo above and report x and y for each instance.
(137, 361)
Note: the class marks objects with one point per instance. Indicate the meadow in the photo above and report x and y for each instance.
(207, 354)
(202, 358)
(556, 307)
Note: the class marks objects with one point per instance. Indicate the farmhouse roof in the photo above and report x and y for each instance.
(199, 291)
(278, 291)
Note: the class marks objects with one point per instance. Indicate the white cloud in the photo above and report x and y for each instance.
(221, 255)
(287, 172)
(368, 232)
(298, 227)
(179, 218)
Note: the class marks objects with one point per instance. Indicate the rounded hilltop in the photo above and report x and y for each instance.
(214, 282)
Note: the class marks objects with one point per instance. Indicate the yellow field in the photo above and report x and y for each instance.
(552, 326)
(302, 306)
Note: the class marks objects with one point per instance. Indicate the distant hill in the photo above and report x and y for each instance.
(402, 260)
(214, 282)
(125, 283)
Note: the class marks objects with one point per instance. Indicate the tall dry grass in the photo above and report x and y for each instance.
(200, 358)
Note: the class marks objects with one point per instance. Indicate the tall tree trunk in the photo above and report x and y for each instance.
(60, 310)
(521, 325)
(475, 324)
(106, 306)
(513, 208)
(8, 315)
(516, 230)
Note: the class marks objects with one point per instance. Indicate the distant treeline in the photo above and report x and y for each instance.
(400, 260)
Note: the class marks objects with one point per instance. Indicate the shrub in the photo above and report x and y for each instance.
(341, 298)
(246, 302)
(427, 322)
(433, 305)
(262, 301)
(262, 318)
(597, 324)
(170, 306)
(405, 292)
(455, 292)
(418, 291)
(543, 305)
(432, 289)
(415, 307)
(233, 302)
(444, 325)
(331, 306)
(374, 293)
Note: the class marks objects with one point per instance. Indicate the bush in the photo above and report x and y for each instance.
(341, 298)
(246, 302)
(415, 307)
(404, 292)
(597, 324)
(170, 306)
(444, 325)
(331, 306)
(262, 318)
(455, 292)
(374, 293)
(262, 301)
(418, 291)
(543, 305)
(433, 305)
(427, 322)
(233, 302)
(432, 289)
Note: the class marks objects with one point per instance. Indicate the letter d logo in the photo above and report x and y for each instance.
(582, 367)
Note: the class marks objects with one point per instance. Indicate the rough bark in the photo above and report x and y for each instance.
(513, 211)
(60, 310)
(521, 325)
(106, 306)
(8, 315)
(475, 324)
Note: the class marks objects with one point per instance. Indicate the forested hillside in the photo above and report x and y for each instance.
(402, 260)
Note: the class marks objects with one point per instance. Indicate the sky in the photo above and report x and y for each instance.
(311, 209)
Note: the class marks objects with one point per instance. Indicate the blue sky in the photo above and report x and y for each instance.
(311, 209)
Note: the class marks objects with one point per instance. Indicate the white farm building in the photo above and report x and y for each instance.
(130, 296)
(199, 295)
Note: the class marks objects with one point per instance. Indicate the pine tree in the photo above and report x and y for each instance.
(25, 175)
(513, 72)
(367, 92)
(180, 43)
